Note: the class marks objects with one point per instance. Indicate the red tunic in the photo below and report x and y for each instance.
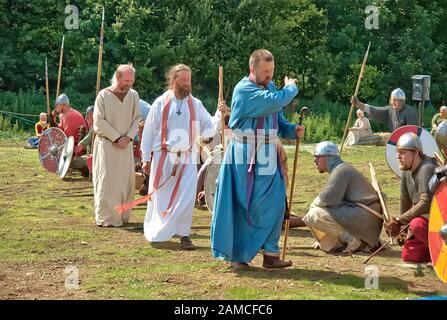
(40, 128)
(71, 122)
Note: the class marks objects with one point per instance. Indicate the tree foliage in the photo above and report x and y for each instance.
(322, 42)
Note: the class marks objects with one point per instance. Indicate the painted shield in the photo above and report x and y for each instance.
(51, 144)
(438, 219)
(66, 157)
(212, 173)
(428, 143)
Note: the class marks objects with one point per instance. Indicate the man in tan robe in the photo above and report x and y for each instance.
(116, 119)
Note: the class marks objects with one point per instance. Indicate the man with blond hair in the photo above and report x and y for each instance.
(175, 119)
(115, 122)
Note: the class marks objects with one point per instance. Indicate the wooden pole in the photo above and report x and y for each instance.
(59, 74)
(385, 244)
(303, 111)
(101, 44)
(356, 92)
(47, 89)
(98, 77)
(221, 98)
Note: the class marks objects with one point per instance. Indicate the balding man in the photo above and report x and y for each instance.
(251, 195)
(438, 119)
(116, 116)
(396, 115)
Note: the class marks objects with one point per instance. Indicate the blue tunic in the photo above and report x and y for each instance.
(238, 230)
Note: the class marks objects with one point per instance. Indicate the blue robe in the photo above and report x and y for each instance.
(233, 236)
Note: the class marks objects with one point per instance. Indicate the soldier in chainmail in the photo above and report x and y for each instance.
(396, 115)
(415, 198)
(346, 215)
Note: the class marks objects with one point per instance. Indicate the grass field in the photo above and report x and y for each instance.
(47, 226)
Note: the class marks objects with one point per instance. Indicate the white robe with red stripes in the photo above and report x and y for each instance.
(158, 225)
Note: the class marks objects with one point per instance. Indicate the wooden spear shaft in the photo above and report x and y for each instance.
(303, 111)
(47, 88)
(356, 92)
(385, 244)
(98, 77)
(101, 44)
(221, 98)
(59, 74)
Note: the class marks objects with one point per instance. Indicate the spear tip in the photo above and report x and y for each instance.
(102, 13)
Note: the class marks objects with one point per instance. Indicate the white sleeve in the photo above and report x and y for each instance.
(148, 136)
(208, 125)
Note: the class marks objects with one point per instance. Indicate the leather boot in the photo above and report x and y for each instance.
(272, 262)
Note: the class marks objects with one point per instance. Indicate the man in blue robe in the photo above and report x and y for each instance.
(250, 195)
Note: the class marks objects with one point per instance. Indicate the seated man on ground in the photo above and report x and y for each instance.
(346, 215)
(361, 129)
(40, 127)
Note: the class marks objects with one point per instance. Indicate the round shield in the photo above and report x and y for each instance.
(212, 173)
(51, 144)
(66, 157)
(438, 219)
(428, 143)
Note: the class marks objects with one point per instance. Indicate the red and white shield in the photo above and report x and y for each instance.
(438, 218)
(428, 144)
(51, 144)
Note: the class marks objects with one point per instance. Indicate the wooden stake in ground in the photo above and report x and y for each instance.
(356, 92)
(221, 98)
(303, 111)
(59, 74)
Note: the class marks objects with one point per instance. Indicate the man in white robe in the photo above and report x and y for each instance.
(173, 168)
(115, 121)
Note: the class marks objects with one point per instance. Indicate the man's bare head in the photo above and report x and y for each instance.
(262, 67)
(124, 77)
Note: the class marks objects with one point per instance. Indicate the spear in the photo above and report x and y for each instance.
(60, 68)
(303, 111)
(101, 44)
(47, 88)
(221, 98)
(98, 76)
(357, 88)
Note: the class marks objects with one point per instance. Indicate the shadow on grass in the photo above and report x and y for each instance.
(300, 233)
(326, 277)
(174, 246)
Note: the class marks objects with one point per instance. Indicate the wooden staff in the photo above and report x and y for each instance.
(376, 186)
(439, 159)
(221, 98)
(47, 89)
(101, 44)
(357, 88)
(385, 244)
(303, 111)
(98, 76)
(59, 74)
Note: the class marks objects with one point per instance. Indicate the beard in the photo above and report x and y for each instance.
(262, 82)
(183, 91)
(403, 167)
